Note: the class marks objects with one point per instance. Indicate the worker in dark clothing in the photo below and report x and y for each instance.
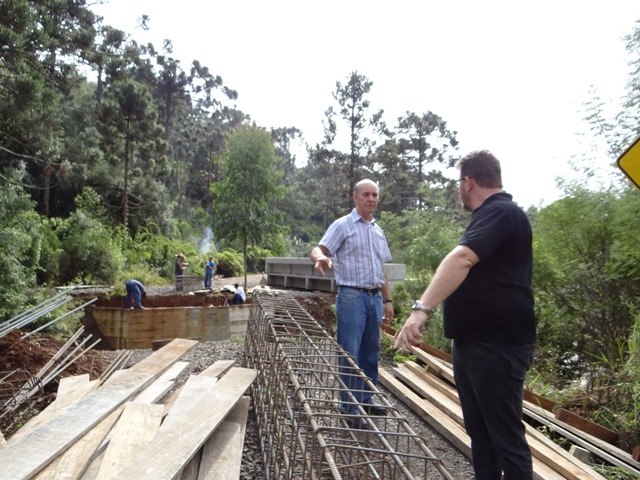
(135, 293)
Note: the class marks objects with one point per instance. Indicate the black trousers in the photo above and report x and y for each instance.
(490, 382)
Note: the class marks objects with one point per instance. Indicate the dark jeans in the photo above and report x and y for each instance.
(359, 317)
(490, 381)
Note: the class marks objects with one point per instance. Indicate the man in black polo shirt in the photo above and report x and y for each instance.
(484, 284)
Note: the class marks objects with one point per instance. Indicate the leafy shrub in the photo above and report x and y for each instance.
(256, 259)
(89, 254)
(230, 263)
(404, 294)
(143, 275)
(49, 253)
(155, 252)
(19, 250)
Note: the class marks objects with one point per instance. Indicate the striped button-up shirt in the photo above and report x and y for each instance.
(359, 250)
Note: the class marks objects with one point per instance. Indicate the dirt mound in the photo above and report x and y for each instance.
(22, 359)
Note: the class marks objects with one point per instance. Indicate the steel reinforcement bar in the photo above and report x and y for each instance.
(302, 373)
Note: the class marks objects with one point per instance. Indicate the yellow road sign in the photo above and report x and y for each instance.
(629, 162)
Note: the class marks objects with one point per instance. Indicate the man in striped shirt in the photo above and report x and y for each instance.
(359, 250)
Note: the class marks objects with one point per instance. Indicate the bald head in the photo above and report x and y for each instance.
(365, 196)
(358, 187)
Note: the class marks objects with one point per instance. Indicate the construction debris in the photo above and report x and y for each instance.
(90, 434)
(15, 399)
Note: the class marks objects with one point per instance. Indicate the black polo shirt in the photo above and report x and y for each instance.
(494, 304)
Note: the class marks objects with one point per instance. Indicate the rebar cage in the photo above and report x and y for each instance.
(302, 372)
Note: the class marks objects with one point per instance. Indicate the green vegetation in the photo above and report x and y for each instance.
(114, 157)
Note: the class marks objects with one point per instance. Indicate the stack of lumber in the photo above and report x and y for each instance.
(119, 430)
(430, 392)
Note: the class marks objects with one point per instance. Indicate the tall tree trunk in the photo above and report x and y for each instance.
(46, 190)
(244, 255)
(125, 189)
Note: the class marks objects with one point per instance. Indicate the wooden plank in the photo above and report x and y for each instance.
(186, 437)
(598, 447)
(69, 382)
(552, 455)
(548, 453)
(587, 426)
(557, 457)
(436, 382)
(215, 370)
(73, 461)
(435, 364)
(442, 423)
(3, 442)
(447, 427)
(151, 394)
(541, 402)
(74, 392)
(91, 472)
(29, 455)
(162, 384)
(444, 357)
(435, 352)
(195, 388)
(222, 453)
(190, 471)
(444, 403)
(137, 427)
(218, 369)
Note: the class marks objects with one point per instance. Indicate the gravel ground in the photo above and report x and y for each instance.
(206, 353)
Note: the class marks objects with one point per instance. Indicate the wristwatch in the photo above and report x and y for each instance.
(421, 307)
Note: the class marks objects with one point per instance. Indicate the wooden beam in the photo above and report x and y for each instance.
(587, 426)
(546, 452)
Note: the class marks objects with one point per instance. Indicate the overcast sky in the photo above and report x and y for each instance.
(510, 76)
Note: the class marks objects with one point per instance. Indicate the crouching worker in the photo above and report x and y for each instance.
(135, 293)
